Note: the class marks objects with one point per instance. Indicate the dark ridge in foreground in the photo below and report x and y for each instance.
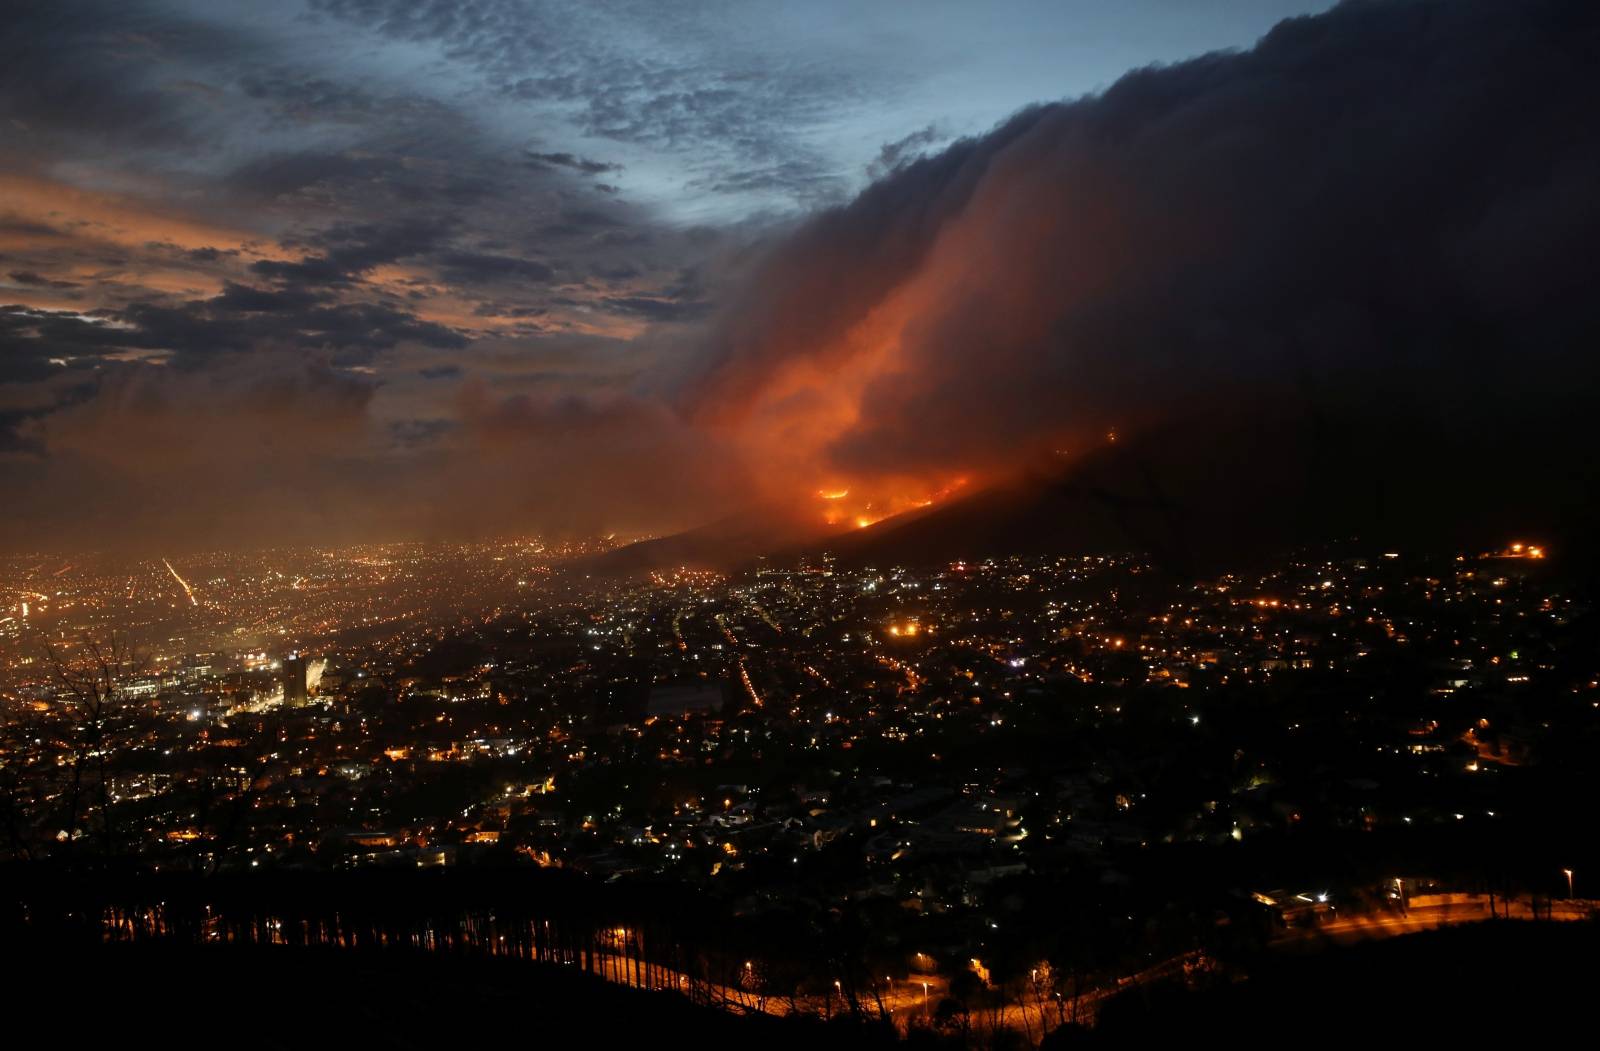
(1460, 985)
(1457, 986)
(167, 994)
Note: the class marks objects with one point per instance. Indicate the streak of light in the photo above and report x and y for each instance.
(749, 687)
(187, 590)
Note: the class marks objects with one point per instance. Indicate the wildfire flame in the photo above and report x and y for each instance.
(885, 503)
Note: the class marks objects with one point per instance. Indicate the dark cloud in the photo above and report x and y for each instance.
(12, 439)
(250, 300)
(586, 223)
(350, 249)
(897, 154)
(804, 178)
(311, 270)
(490, 308)
(655, 308)
(241, 318)
(28, 277)
(293, 96)
(1344, 273)
(209, 254)
(474, 267)
(306, 172)
(19, 227)
(568, 160)
(36, 345)
(87, 73)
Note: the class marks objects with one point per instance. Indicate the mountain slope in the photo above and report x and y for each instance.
(724, 545)
(1220, 490)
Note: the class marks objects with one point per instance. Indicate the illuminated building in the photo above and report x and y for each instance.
(294, 681)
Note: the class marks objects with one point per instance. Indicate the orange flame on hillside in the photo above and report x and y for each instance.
(882, 504)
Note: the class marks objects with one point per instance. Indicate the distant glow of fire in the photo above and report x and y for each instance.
(833, 494)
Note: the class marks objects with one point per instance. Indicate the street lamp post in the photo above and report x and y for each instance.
(1568, 873)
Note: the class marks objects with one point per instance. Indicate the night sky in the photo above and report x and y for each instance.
(344, 270)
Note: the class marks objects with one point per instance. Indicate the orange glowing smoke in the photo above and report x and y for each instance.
(787, 405)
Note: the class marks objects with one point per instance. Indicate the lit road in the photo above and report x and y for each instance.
(187, 590)
(918, 997)
(1432, 917)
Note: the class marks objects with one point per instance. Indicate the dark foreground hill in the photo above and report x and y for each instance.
(164, 994)
(1456, 987)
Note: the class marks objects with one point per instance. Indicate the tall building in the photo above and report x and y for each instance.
(294, 680)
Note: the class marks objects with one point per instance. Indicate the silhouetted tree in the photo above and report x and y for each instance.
(90, 679)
